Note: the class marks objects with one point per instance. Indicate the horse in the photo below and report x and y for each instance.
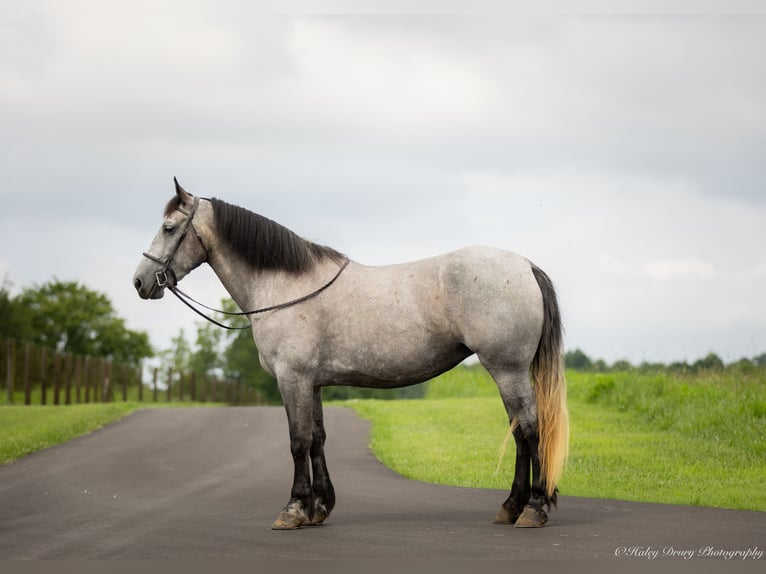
(319, 319)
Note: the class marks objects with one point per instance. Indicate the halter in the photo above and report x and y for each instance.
(163, 280)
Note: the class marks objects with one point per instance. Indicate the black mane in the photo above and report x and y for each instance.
(266, 244)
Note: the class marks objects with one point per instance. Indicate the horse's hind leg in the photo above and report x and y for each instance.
(519, 400)
(324, 493)
(521, 490)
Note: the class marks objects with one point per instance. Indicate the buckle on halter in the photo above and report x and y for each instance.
(162, 278)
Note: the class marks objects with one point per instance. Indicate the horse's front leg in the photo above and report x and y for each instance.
(324, 493)
(298, 401)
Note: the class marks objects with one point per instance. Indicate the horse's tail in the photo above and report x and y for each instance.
(550, 389)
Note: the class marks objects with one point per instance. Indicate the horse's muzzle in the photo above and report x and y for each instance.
(154, 290)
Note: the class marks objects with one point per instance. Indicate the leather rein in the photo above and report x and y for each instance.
(163, 280)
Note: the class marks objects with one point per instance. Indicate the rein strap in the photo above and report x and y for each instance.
(188, 300)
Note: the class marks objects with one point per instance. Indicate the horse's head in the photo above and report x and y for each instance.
(174, 252)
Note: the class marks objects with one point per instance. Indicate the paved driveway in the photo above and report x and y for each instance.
(201, 483)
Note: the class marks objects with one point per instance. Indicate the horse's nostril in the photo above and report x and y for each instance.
(137, 283)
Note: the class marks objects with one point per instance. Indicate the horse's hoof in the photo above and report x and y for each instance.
(504, 517)
(532, 518)
(291, 517)
(321, 512)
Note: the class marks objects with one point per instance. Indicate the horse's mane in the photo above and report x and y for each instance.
(266, 244)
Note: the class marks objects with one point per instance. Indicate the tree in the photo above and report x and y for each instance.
(577, 360)
(177, 358)
(71, 318)
(622, 365)
(711, 361)
(15, 319)
(207, 359)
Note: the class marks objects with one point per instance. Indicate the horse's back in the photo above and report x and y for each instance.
(476, 299)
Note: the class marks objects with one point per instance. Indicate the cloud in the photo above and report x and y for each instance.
(671, 268)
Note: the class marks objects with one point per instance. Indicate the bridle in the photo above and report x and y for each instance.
(164, 281)
(162, 275)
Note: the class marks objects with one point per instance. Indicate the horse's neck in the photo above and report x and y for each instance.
(238, 279)
(254, 289)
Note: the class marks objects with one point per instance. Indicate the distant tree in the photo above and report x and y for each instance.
(577, 360)
(647, 367)
(207, 358)
(178, 356)
(760, 360)
(679, 367)
(15, 319)
(71, 318)
(744, 366)
(599, 366)
(711, 361)
(621, 365)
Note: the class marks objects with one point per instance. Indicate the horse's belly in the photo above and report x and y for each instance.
(390, 369)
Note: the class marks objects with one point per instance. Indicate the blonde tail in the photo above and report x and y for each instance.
(550, 389)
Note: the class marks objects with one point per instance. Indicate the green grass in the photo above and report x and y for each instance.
(27, 429)
(652, 438)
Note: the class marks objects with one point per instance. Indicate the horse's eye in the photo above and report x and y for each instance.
(168, 228)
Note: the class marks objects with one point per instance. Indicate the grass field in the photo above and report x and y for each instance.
(27, 429)
(647, 437)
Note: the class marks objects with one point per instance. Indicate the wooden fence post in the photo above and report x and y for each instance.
(56, 378)
(44, 376)
(78, 370)
(154, 384)
(106, 380)
(69, 358)
(170, 384)
(93, 380)
(9, 371)
(96, 381)
(86, 378)
(27, 367)
(124, 381)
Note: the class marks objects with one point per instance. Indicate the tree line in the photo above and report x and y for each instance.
(579, 361)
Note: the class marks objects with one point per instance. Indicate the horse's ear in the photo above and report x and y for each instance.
(184, 195)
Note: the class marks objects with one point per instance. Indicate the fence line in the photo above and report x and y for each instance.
(39, 375)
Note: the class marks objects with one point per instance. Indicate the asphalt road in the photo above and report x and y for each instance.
(206, 483)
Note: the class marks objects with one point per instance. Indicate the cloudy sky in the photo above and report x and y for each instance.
(624, 153)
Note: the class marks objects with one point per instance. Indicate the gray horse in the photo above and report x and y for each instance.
(319, 319)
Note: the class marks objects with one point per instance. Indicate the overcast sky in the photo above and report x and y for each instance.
(623, 154)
